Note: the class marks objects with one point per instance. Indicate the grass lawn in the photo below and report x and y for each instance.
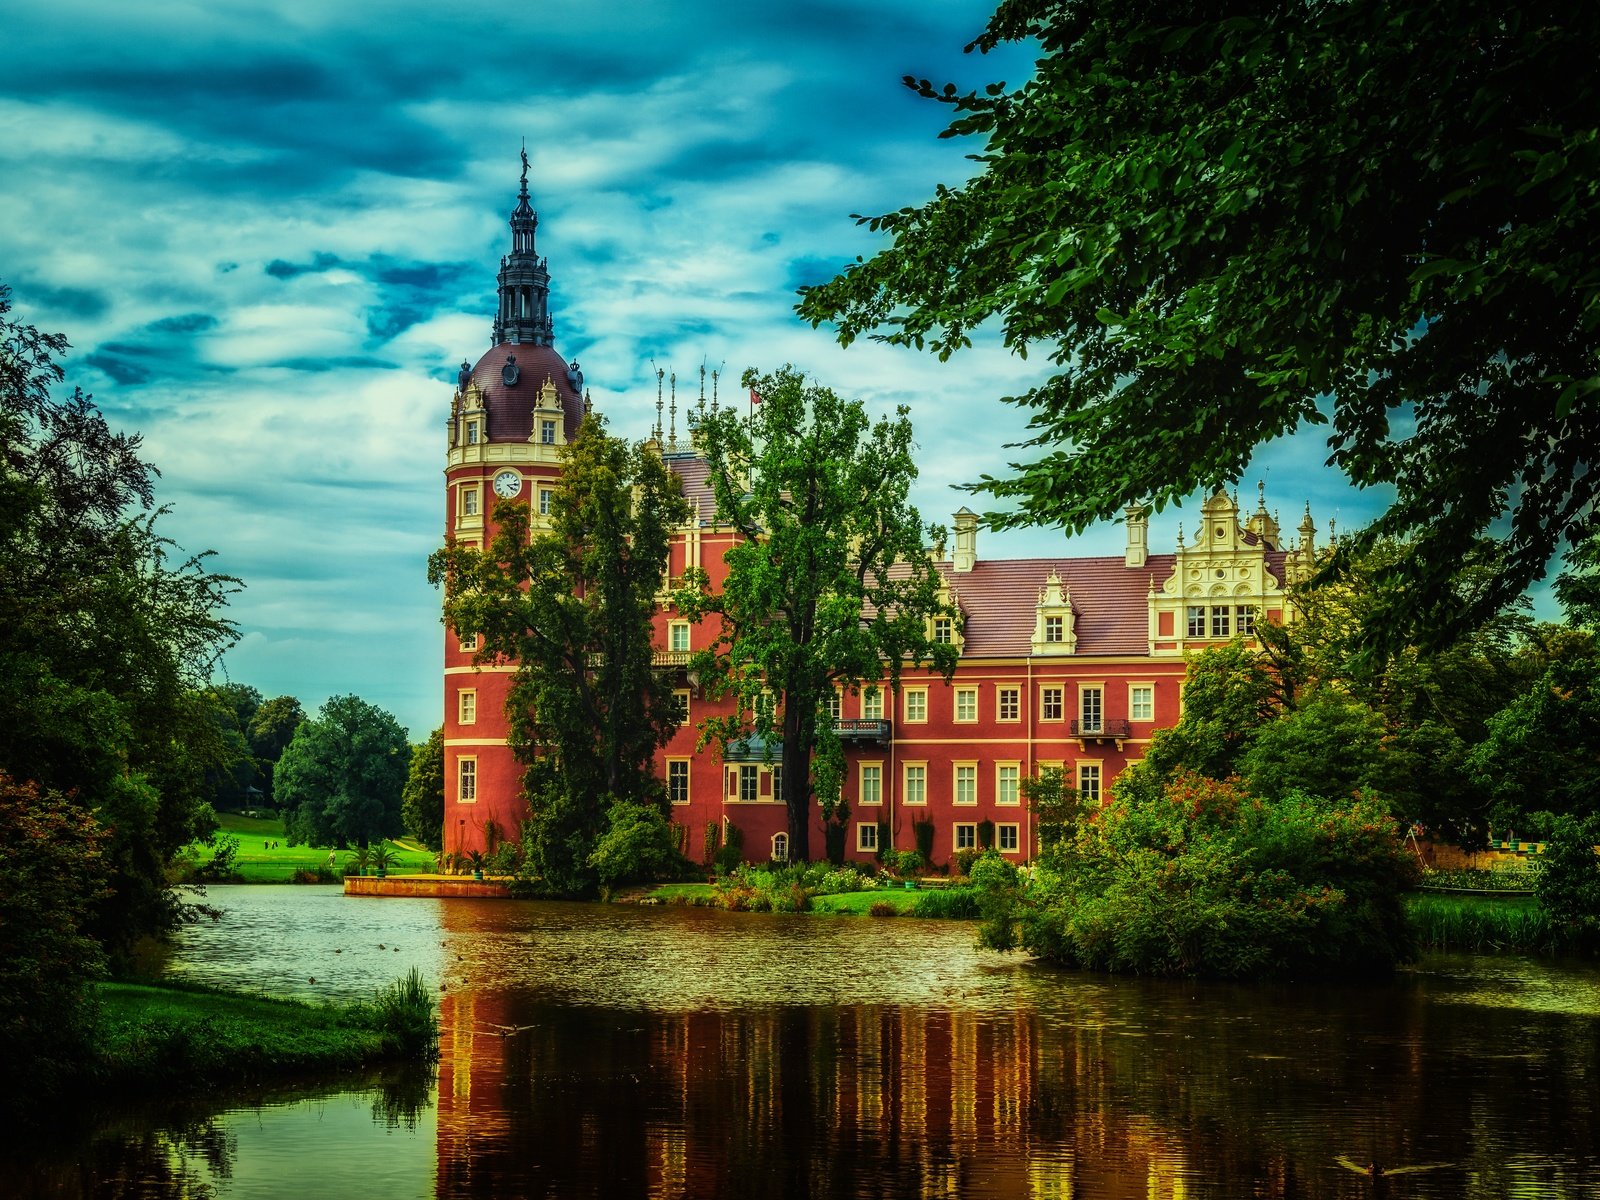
(151, 1034)
(857, 903)
(258, 862)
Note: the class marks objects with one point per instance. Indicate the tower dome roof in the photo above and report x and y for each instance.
(510, 404)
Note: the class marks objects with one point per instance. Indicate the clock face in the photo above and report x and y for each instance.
(507, 484)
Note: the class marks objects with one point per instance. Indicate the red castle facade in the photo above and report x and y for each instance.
(1066, 663)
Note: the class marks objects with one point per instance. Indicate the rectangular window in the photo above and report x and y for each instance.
(469, 644)
(835, 706)
(872, 704)
(1007, 838)
(467, 780)
(547, 432)
(1008, 704)
(1051, 705)
(766, 706)
(871, 783)
(469, 502)
(943, 630)
(1091, 709)
(1142, 702)
(1219, 621)
(966, 783)
(467, 707)
(1006, 777)
(1244, 619)
(749, 778)
(472, 433)
(1197, 621)
(678, 780)
(680, 702)
(867, 836)
(916, 783)
(777, 785)
(1089, 783)
(678, 636)
(916, 706)
(544, 501)
(966, 705)
(1053, 629)
(966, 837)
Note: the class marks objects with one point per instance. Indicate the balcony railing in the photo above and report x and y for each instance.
(670, 658)
(1118, 729)
(861, 729)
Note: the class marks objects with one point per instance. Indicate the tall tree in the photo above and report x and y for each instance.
(422, 800)
(271, 730)
(831, 585)
(574, 609)
(1222, 221)
(342, 775)
(108, 636)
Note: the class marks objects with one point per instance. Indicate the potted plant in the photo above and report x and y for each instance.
(382, 856)
(359, 860)
(477, 859)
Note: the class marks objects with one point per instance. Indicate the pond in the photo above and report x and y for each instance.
(678, 1052)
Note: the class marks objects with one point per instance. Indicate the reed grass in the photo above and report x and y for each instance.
(1486, 924)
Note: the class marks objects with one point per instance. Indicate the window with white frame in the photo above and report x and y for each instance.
(780, 847)
(967, 836)
(834, 704)
(966, 705)
(1054, 629)
(1008, 838)
(472, 433)
(680, 704)
(469, 501)
(1142, 702)
(1089, 783)
(867, 836)
(1244, 619)
(777, 784)
(1007, 777)
(1051, 705)
(871, 783)
(678, 636)
(943, 630)
(1091, 709)
(468, 643)
(678, 780)
(1197, 620)
(765, 707)
(872, 704)
(1219, 621)
(467, 780)
(916, 706)
(547, 432)
(544, 501)
(467, 706)
(966, 783)
(1008, 704)
(916, 783)
(749, 782)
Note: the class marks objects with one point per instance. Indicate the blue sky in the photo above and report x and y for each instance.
(270, 231)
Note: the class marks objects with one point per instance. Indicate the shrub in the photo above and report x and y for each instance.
(963, 860)
(842, 880)
(712, 842)
(883, 909)
(947, 904)
(639, 845)
(904, 862)
(404, 1013)
(1569, 886)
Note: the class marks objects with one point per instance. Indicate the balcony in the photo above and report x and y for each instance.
(670, 658)
(1087, 731)
(854, 731)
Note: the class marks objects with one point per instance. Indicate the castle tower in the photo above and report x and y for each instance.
(510, 415)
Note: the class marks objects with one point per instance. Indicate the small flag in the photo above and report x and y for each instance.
(755, 396)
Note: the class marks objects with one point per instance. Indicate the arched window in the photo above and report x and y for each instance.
(780, 847)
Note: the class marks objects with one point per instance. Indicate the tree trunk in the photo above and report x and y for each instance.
(797, 735)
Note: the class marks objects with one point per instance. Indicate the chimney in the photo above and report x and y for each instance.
(1137, 518)
(966, 524)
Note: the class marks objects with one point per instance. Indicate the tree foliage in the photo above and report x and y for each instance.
(830, 585)
(108, 636)
(422, 799)
(340, 778)
(573, 608)
(1192, 876)
(1225, 221)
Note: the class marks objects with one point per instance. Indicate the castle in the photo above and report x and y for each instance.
(1065, 663)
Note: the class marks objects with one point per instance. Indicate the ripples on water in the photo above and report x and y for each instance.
(666, 1052)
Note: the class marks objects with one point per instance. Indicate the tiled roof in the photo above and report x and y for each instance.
(695, 472)
(511, 408)
(1109, 602)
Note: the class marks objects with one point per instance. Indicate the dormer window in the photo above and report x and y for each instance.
(472, 433)
(943, 630)
(1053, 629)
(547, 433)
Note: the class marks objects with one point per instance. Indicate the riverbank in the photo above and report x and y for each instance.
(186, 1035)
(264, 855)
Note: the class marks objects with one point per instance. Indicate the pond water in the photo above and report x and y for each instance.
(679, 1052)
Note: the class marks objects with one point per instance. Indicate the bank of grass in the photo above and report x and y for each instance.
(1486, 924)
(259, 862)
(177, 1035)
(950, 903)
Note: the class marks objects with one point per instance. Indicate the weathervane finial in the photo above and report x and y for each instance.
(524, 164)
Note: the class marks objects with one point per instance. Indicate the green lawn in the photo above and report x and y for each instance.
(845, 903)
(261, 862)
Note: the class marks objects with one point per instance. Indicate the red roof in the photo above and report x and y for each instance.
(695, 473)
(511, 408)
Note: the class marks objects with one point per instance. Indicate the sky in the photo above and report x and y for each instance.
(270, 232)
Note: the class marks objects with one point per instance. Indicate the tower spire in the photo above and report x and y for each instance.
(524, 283)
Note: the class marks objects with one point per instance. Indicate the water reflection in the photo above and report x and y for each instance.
(684, 1053)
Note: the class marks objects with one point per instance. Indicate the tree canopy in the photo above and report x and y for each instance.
(342, 775)
(1224, 221)
(573, 607)
(831, 584)
(422, 799)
